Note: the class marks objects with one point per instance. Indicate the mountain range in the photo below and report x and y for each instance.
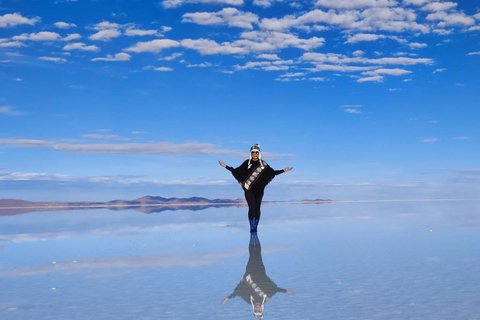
(146, 204)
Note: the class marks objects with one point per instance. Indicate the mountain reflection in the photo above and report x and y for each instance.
(255, 287)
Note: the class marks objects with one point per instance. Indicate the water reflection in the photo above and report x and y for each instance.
(255, 287)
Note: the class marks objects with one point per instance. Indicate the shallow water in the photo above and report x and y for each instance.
(394, 260)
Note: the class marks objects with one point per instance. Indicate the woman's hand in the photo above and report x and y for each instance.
(288, 169)
(224, 300)
(222, 164)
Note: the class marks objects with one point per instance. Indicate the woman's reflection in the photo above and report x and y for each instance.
(255, 287)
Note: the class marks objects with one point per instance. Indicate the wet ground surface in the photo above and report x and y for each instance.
(395, 260)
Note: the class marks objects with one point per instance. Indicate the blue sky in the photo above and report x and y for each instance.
(117, 99)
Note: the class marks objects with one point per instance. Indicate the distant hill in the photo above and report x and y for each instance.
(147, 204)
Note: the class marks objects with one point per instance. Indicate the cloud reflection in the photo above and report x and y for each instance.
(152, 261)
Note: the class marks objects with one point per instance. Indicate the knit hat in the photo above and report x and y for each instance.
(255, 147)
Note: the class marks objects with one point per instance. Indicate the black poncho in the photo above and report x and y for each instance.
(242, 172)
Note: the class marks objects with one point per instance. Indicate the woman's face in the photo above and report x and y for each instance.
(255, 155)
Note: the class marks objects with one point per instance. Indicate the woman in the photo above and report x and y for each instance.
(253, 175)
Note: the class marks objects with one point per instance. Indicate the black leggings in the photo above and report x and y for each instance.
(254, 200)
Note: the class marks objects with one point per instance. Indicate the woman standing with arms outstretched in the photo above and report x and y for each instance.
(253, 175)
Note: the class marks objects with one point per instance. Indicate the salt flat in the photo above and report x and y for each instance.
(360, 260)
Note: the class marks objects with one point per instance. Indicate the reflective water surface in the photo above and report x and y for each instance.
(392, 260)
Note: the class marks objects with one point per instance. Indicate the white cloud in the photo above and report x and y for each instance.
(352, 108)
(364, 37)
(4, 43)
(262, 41)
(439, 6)
(178, 3)
(342, 59)
(267, 56)
(443, 32)
(26, 143)
(391, 72)
(64, 25)
(358, 53)
(80, 46)
(122, 56)
(228, 16)
(153, 148)
(355, 111)
(161, 69)
(317, 79)
(106, 25)
(371, 79)
(395, 19)
(266, 3)
(200, 65)
(209, 47)
(474, 28)
(166, 29)
(439, 70)
(473, 53)
(429, 140)
(137, 32)
(53, 59)
(154, 46)
(172, 56)
(15, 19)
(354, 4)
(416, 2)
(32, 176)
(105, 35)
(158, 148)
(417, 45)
(292, 75)
(450, 19)
(40, 36)
(275, 65)
(104, 136)
(72, 36)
